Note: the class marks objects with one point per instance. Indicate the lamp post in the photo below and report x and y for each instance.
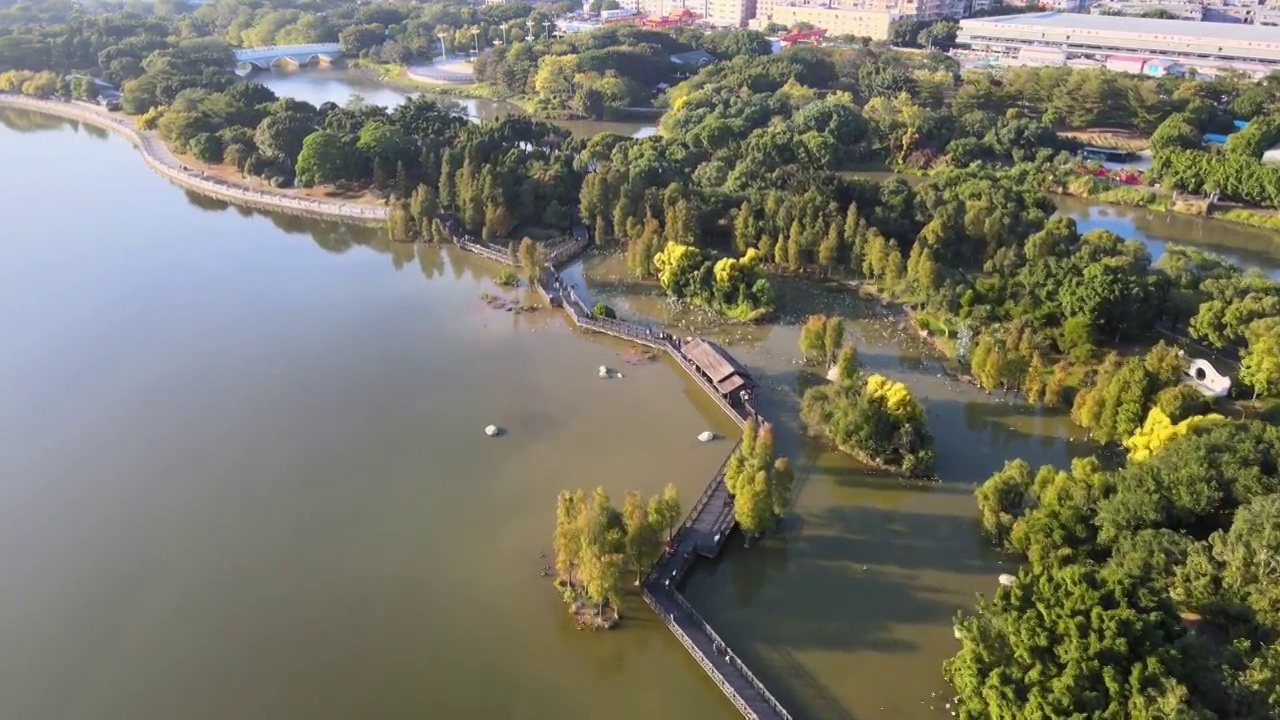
(504, 34)
(444, 54)
(475, 35)
(547, 25)
(531, 25)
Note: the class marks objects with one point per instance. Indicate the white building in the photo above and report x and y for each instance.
(1204, 47)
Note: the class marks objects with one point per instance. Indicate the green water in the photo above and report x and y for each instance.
(244, 473)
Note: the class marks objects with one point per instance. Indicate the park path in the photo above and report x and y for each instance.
(158, 156)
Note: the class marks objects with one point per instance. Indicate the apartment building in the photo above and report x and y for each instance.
(835, 20)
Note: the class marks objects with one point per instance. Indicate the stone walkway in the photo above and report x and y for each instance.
(163, 161)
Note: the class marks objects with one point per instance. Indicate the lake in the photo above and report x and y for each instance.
(245, 474)
(245, 477)
(318, 85)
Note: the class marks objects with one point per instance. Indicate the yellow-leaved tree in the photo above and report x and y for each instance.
(1158, 430)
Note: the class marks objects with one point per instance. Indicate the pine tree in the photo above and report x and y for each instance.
(813, 338)
(780, 255)
(622, 218)
(381, 176)
(403, 184)
(833, 337)
(745, 231)
(567, 540)
(1033, 384)
(853, 237)
(874, 252)
(978, 357)
(781, 482)
(448, 185)
(753, 506)
(893, 269)
(829, 249)
(795, 243)
(847, 364)
(1057, 384)
(602, 229)
(642, 537)
(926, 273)
(740, 458)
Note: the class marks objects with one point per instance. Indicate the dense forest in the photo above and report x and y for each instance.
(1149, 591)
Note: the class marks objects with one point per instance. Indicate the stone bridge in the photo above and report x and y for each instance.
(263, 58)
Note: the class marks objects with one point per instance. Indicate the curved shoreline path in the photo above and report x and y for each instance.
(158, 156)
(709, 522)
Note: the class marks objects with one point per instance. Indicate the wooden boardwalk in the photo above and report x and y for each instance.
(709, 522)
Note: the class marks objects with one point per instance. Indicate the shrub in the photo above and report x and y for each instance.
(600, 309)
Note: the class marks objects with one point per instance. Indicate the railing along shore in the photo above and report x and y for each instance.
(164, 162)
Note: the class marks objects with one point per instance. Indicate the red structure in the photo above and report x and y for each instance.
(812, 37)
(683, 16)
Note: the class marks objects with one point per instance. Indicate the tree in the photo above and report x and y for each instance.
(1033, 385)
(280, 136)
(753, 505)
(642, 537)
(206, 147)
(1260, 365)
(664, 510)
(325, 159)
(781, 481)
(567, 540)
(833, 338)
(1072, 642)
(1057, 384)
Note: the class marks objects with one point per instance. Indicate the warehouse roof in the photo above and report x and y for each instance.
(1237, 32)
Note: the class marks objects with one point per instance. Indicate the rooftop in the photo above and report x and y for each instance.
(725, 372)
(1237, 32)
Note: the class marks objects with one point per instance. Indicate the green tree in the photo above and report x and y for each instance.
(665, 511)
(1260, 365)
(567, 539)
(753, 505)
(325, 159)
(781, 481)
(1072, 642)
(642, 537)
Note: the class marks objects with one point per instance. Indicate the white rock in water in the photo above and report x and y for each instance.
(706, 436)
(1006, 579)
(492, 430)
(604, 371)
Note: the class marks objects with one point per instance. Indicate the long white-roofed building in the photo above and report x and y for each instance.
(1200, 46)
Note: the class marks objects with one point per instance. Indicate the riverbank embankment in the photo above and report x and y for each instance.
(158, 156)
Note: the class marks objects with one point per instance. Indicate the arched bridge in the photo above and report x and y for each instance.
(263, 58)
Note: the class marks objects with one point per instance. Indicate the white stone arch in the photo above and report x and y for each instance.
(1204, 377)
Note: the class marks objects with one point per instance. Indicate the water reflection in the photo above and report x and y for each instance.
(1245, 246)
(320, 85)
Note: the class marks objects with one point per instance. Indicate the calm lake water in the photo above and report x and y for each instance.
(1245, 246)
(245, 477)
(321, 85)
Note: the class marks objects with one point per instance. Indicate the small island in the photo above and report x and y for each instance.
(597, 545)
(868, 416)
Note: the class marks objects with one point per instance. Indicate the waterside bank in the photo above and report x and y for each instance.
(160, 159)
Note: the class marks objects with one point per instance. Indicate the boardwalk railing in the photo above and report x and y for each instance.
(666, 573)
(736, 661)
(716, 676)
